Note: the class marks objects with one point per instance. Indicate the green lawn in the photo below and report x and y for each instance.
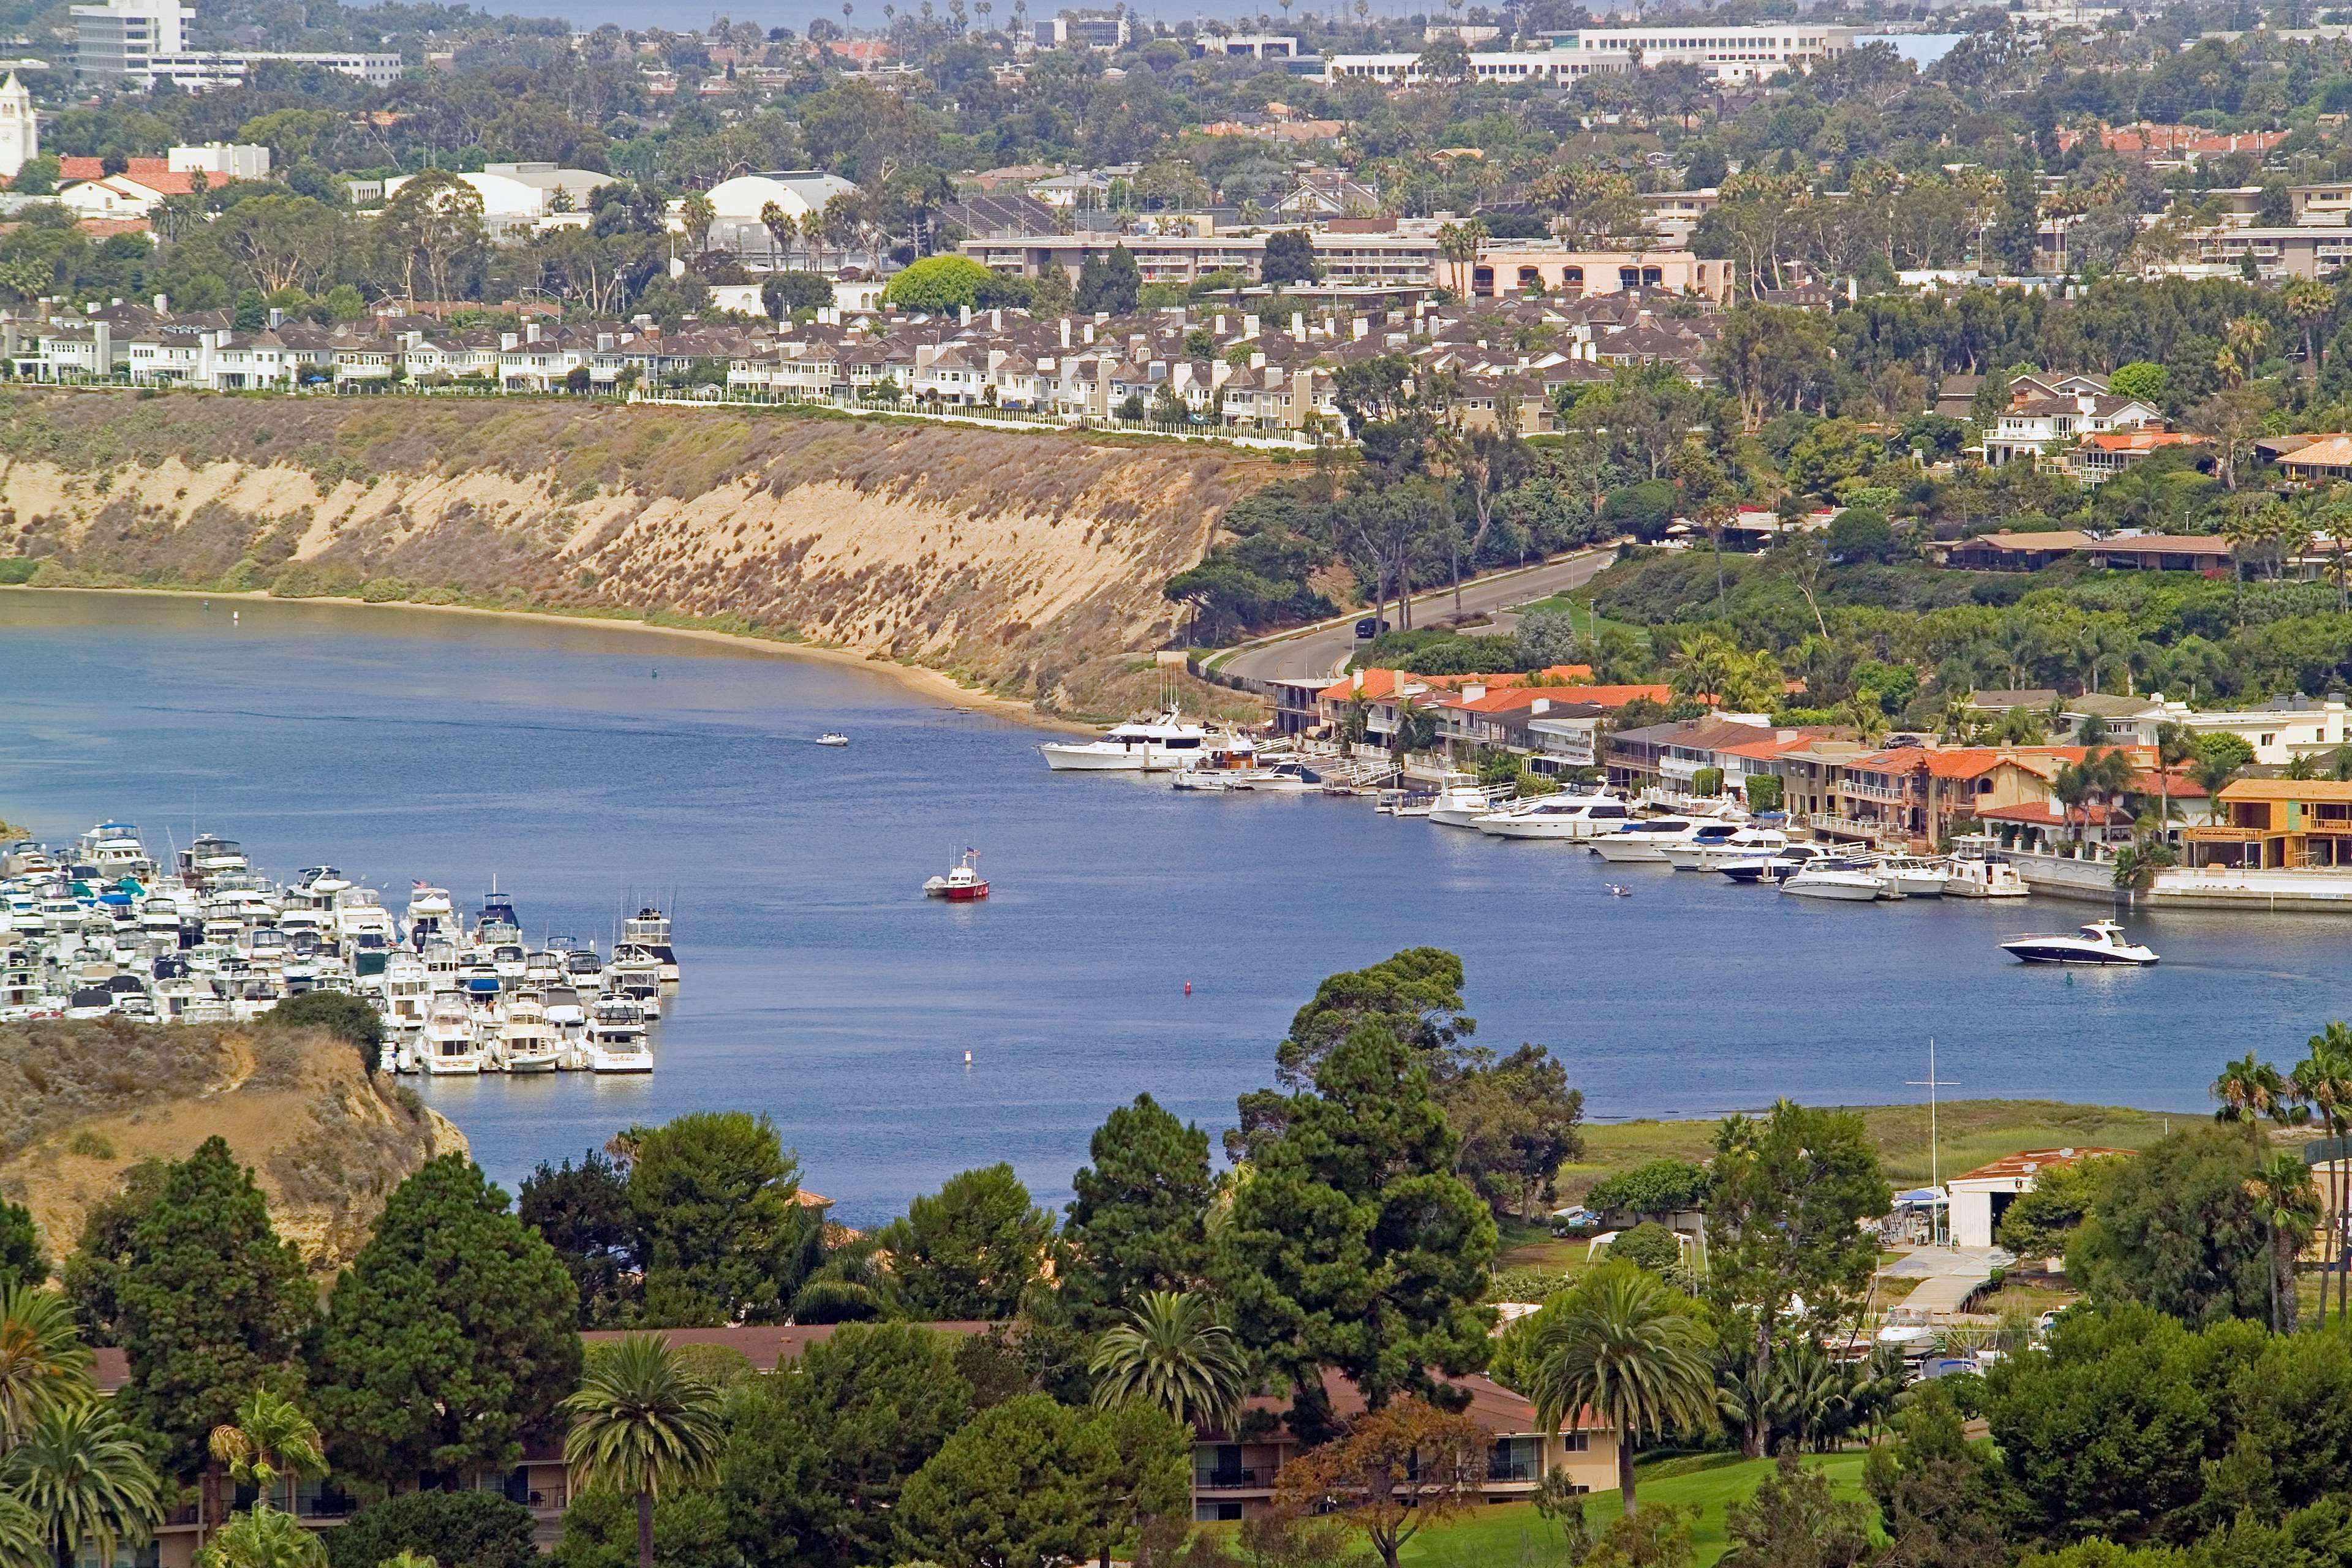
(1510, 1535)
(1968, 1133)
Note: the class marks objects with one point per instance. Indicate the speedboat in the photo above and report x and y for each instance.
(1915, 876)
(1146, 745)
(2101, 941)
(1461, 801)
(1718, 844)
(833, 738)
(963, 884)
(1281, 778)
(1980, 871)
(1777, 866)
(1645, 840)
(1837, 877)
(1577, 816)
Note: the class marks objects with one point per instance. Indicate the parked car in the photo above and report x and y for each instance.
(1578, 1218)
(1370, 627)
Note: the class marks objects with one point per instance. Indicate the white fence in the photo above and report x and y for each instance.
(1006, 419)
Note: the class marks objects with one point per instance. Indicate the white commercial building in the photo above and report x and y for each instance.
(220, 161)
(138, 43)
(519, 199)
(737, 206)
(1726, 54)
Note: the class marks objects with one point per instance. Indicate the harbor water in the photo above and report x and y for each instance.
(592, 769)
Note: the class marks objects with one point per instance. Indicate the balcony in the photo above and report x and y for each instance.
(1513, 1470)
(1226, 1478)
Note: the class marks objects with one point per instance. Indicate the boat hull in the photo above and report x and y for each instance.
(1836, 892)
(1457, 815)
(961, 895)
(2085, 957)
(1624, 851)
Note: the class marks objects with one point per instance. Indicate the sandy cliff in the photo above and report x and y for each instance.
(81, 1102)
(1031, 565)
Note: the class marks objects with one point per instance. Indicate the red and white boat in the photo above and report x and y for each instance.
(963, 884)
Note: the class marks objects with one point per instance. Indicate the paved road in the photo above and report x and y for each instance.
(1322, 651)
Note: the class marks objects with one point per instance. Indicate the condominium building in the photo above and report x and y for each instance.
(1725, 54)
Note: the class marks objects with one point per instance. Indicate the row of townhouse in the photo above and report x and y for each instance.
(1234, 1474)
(1554, 717)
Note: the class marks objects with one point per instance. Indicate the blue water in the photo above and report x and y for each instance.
(590, 769)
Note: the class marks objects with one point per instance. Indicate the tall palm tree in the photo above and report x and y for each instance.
(2283, 1190)
(2175, 747)
(272, 1441)
(86, 1479)
(21, 1545)
(2324, 1080)
(1622, 1349)
(1172, 1352)
(264, 1537)
(2249, 1090)
(641, 1422)
(44, 1365)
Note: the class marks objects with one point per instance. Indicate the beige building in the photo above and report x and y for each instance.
(1520, 267)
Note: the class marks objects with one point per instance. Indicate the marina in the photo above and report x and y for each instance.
(826, 992)
(104, 928)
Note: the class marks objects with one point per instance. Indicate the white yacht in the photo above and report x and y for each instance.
(1462, 800)
(1718, 845)
(448, 1045)
(1145, 746)
(568, 1016)
(616, 1038)
(209, 857)
(649, 929)
(431, 917)
(1915, 876)
(1837, 877)
(528, 1042)
(1645, 840)
(1980, 871)
(1572, 816)
(1776, 866)
(2099, 942)
(114, 849)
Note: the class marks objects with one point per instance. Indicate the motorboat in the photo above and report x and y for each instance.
(1202, 781)
(1840, 878)
(833, 738)
(1154, 745)
(1462, 800)
(1645, 840)
(1915, 876)
(2100, 943)
(1572, 816)
(431, 916)
(1979, 870)
(616, 1037)
(448, 1045)
(1719, 844)
(1279, 778)
(528, 1042)
(963, 884)
(114, 847)
(1777, 866)
(649, 929)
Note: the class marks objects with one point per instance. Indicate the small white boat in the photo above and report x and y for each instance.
(616, 1038)
(2099, 942)
(1645, 840)
(1980, 871)
(1915, 876)
(1461, 801)
(1718, 845)
(833, 738)
(1569, 817)
(963, 884)
(1836, 878)
(1777, 866)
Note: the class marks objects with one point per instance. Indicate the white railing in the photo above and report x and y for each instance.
(1004, 418)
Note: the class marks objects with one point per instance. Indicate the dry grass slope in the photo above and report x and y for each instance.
(1027, 564)
(81, 1102)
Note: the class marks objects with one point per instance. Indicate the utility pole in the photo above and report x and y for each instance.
(1931, 1083)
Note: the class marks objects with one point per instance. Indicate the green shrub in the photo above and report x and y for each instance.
(1649, 1244)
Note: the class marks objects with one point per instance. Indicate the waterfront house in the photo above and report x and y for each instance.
(1979, 1197)
(2276, 825)
(1931, 793)
(1234, 1475)
(2132, 552)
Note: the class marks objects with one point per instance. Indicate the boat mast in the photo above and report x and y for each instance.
(1932, 1083)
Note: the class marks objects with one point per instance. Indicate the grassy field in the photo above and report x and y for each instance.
(1968, 1133)
(1511, 1535)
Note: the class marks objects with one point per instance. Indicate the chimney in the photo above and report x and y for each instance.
(1065, 331)
(1356, 680)
(1249, 326)
(963, 315)
(1298, 325)
(1474, 690)
(1220, 328)
(531, 332)
(2083, 403)
(277, 318)
(1541, 705)
(996, 320)
(507, 341)
(163, 304)
(1363, 328)
(1257, 361)
(1089, 329)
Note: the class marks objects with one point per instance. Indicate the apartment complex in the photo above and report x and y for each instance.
(1725, 54)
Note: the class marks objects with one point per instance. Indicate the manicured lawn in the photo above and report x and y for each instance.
(1511, 1535)
(1969, 1132)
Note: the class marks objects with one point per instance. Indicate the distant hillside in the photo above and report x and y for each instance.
(1028, 565)
(82, 1101)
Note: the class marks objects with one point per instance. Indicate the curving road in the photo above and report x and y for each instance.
(1321, 650)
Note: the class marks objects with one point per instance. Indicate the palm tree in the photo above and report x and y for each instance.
(2289, 1203)
(264, 1537)
(44, 1365)
(271, 1440)
(2308, 300)
(86, 1479)
(2175, 746)
(1172, 1352)
(2214, 772)
(2249, 1091)
(2072, 788)
(21, 1545)
(642, 1422)
(1624, 1352)
(2324, 1080)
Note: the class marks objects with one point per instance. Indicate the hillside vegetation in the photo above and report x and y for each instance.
(83, 1101)
(1028, 565)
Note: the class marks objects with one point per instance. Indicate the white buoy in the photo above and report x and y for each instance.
(236, 615)
(967, 1058)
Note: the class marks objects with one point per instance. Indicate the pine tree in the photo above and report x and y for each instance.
(1139, 1220)
(450, 1337)
(214, 1305)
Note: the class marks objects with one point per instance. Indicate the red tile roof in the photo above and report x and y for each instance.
(2026, 1162)
(1498, 1412)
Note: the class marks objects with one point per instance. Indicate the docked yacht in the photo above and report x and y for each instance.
(1718, 844)
(2099, 942)
(1980, 871)
(649, 929)
(616, 1038)
(209, 857)
(1572, 816)
(529, 1043)
(1143, 746)
(1462, 800)
(1775, 868)
(448, 1045)
(568, 1016)
(1915, 876)
(1838, 878)
(114, 849)
(431, 917)
(1645, 838)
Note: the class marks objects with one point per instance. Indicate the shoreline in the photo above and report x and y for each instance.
(934, 685)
